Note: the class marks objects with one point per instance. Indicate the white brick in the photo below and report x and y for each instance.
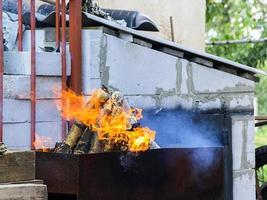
(19, 111)
(214, 103)
(17, 135)
(144, 102)
(184, 76)
(47, 63)
(237, 143)
(242, 101)
(243, 145)
(208, 80)
(91, 54)
(244, 185)
(18, 87)
(90, 85)
(138, 70)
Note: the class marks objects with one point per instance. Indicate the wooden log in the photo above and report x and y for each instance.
(17, 166)
(85, 142)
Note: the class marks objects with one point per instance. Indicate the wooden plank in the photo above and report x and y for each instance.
(23, 192)
(172, 52)
(142, 43)
(17, 166)
(201, 61)
(227, 69)
(35, 181)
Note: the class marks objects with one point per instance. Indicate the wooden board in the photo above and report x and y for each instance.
(17, 166)
(23, 192)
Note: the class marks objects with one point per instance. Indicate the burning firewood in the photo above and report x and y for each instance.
(106, 123)
(69, 144)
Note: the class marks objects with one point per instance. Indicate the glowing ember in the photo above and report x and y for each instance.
(42, 143)
(109, 115)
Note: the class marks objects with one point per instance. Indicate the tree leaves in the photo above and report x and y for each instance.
(236, 20)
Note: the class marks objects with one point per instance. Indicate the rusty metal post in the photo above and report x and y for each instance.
(33, 75)
(63, 60)
(1, 70)
(75, 26)
(20, 28)
(57, 23)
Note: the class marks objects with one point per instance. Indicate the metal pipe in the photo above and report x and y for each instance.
(75, 26)
(1, 70)
(172, 28)
(230, 42)
(57, 23)
(20, 30)
(261, 123)
(261, 118)
(33, 74)
(63, 61)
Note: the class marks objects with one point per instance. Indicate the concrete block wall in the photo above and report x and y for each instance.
(17, 98)
(153, 79)
(148, 78)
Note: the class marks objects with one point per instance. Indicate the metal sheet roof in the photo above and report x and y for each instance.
(163, 42)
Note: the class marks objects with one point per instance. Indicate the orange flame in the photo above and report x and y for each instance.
(42, 143)
(112, 121)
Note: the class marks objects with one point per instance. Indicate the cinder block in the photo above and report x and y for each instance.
(91, 58)
(17, 135)
(244, 185)
(19, 87)
(237, 144)
(18, 111)
(138, 70)
(242, 101)
(182, 63)
(208, 103)
(23, 192)
(243, 142)
(91, 85)
(40, 39)
(47, 63)
(143, 102)
(208, 80)
(157, 101)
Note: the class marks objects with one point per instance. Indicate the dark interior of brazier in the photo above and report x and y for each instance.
(193, 161)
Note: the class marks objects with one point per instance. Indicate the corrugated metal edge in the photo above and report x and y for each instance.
(176, 46)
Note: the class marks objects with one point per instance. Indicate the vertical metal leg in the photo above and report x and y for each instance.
(20, 31)
(75, 25)
(1, 70)
(63, 61)
(33, 75)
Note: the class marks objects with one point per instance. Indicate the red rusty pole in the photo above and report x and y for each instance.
(75, 32)
(20, 31)
(1, 70)
(57, 23)
(63, 61)
(33, 75)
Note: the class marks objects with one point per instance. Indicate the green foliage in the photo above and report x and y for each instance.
(261, 137)
(237, 20)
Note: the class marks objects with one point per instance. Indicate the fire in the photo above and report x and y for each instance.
(109, 115)
(42, 143)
